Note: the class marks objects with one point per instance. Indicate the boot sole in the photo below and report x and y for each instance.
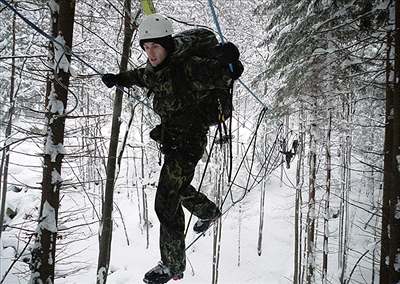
(175, 278)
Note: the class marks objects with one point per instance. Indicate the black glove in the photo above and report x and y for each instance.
(226, 53)
(110, 80)
(236, 69)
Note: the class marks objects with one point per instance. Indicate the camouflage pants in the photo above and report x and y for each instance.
(173, 191)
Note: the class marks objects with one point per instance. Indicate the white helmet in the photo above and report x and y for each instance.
(154, 26)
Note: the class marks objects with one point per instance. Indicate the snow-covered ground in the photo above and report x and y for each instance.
(239, 260)
(129, 263)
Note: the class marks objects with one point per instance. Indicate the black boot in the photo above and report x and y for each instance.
(202, 225)
(161, 274)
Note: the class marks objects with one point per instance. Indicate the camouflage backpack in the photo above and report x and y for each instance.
(217, 107)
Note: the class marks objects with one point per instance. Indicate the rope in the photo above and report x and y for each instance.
(202, 177)
(253, 139)
(217, 25)
(216, 22)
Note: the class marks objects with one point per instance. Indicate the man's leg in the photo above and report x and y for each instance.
(176, 173)
(198, 204)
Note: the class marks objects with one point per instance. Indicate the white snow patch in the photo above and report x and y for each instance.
(55, 105)
(100, 274)
(397, 210)
(348, 62)
(9, 141)
(73, 71)
(55, 177)
(61, 61)
(53, 150)
(54, 7)
(48, 218)
(398, 162)
(50, 259)
(382, 6)
(396, 264)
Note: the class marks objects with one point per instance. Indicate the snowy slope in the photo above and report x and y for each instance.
(129, 263)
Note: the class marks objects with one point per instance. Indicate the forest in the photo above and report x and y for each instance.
(308, 180)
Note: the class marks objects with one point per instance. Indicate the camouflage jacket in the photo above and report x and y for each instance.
(179, 85)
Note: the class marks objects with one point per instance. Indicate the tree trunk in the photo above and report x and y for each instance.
(5, 159)
(298, 213)
(43, 251)
(326, 201)
(144, 195)
(262, 213)
(262, 201)
(344, 220)
(106, 220)
(239, 233)
(311, 205)
(284, 147)
(390, 240)
(218, 224)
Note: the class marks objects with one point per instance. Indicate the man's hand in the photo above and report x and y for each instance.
(110, 80)
(226, 53)
(236, 69)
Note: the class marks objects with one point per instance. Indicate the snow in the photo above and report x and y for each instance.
(48, 218)
(398, 162)
(55, 177)
(55, 105)
(54, 7)
(382, 5)
(132, 262)
(51, 149)
(397, 262)
(397, 209)
(35, 276)
(9, 141)
(323, 51)
(61, 61)
(348, 62)
(100, 274)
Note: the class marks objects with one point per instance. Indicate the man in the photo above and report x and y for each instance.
(178, 82)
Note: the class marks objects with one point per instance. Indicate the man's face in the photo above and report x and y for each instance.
(155, 53)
